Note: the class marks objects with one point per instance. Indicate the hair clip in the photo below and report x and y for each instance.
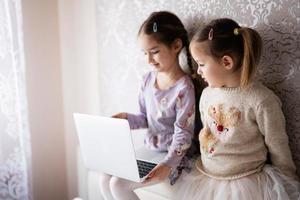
(154, 27)
(236, 31)
(211, 34)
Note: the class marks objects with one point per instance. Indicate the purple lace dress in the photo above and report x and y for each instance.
(169, 117)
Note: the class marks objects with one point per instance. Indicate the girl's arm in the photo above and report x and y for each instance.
(183, 127)
(271, 123)
(139, 120)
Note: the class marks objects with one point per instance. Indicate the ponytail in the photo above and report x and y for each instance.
(252, 51)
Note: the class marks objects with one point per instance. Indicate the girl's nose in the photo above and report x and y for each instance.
(149, 59)
(199, 71)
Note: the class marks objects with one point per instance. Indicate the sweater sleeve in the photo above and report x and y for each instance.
(183, 127)
(271, 123)
(139, 120)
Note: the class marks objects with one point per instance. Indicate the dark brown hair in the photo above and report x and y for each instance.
(166, 27)
(226, 37)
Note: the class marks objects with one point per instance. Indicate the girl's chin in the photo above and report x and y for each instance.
(155, 66)
(158, 69)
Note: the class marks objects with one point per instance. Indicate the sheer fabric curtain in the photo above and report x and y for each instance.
(15, 157)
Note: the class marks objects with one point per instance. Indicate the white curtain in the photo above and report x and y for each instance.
(15, 157)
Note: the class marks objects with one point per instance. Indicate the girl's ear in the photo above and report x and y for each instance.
(177, 45)
(227, 62)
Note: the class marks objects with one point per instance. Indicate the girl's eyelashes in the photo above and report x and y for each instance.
(150, 52)
(199, 64)
(154, 51)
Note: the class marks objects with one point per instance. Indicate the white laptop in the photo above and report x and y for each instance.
(106, 145)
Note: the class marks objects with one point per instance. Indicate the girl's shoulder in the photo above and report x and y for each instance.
(185, 82)
(263, 95)
(188, 81)
(147, 77)
(260, 93)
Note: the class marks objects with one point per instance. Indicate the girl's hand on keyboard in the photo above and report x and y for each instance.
(158, 173)
(120, 115)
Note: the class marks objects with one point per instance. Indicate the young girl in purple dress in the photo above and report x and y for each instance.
(166, 101)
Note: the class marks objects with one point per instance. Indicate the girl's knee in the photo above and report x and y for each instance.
(104, 179)
(122, 189)
(117, 183)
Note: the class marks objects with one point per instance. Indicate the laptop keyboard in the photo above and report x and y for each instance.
(144, 167)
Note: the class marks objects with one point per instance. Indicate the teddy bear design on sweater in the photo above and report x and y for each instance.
(222, 124)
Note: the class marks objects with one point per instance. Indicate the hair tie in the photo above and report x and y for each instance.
(154, 27)
(211, 34)
(236, 31)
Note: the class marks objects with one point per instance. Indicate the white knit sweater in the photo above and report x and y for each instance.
(241, 127)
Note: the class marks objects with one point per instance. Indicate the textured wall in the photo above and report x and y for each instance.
(121, 62)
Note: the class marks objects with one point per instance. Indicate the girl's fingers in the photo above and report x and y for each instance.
(150, 175)
(119, 115)
(148, 178)
(115, 116)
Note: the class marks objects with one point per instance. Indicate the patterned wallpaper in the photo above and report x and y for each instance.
(121, 61)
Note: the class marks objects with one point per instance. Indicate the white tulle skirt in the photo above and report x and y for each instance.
(269, 184)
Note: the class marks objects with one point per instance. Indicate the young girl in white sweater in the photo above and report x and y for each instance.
(243, 123)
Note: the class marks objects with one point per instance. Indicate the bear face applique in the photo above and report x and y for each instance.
(220, 129)
(223, 120)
